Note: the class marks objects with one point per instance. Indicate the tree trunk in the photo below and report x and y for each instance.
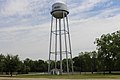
(92, 69)
(104, 72)
(11, 74)
(109, 71)
(7, 73)
(92, 72)
(2, 72)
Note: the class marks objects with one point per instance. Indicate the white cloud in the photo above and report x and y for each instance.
(109, 12)
(33, 40)
(25, 41)
(13, 7)
(84, 6)
(85, 32)
(36, 41)
(20, 32)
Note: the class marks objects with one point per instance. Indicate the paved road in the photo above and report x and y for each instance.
(7, 78)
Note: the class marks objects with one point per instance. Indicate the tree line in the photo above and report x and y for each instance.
(10, 64)
(105, 58)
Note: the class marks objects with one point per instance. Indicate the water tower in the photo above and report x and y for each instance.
(60, 43)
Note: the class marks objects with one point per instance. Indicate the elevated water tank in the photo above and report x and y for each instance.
(59, 10)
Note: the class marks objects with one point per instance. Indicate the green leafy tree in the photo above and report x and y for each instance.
(77, 64)
(36, 66)
(1, 63)
(94, 61)
(87, 62)
(28, 64)
(108, 47)
(117, 62)
(11, 64)
(41, 67)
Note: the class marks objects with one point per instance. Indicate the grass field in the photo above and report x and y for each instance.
(74, 76)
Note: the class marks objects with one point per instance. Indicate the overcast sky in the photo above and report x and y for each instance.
(25, 25)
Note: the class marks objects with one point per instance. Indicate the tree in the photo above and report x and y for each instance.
(87, 62)
(77, 64)
(94, 61)
(40, 65)
(35, 66)
(117, 62)
(108, 47)
(11, 64)
(28, 64)
(46, 66)
(64, 64)
(1, 63)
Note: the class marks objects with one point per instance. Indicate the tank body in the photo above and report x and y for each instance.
(59, 10)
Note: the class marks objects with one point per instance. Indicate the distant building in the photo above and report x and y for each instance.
(55, 71)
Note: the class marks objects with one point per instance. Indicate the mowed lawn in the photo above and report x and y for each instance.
(70, 76)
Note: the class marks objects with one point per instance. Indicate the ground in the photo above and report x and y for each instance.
(61, 77)
(8, 78)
